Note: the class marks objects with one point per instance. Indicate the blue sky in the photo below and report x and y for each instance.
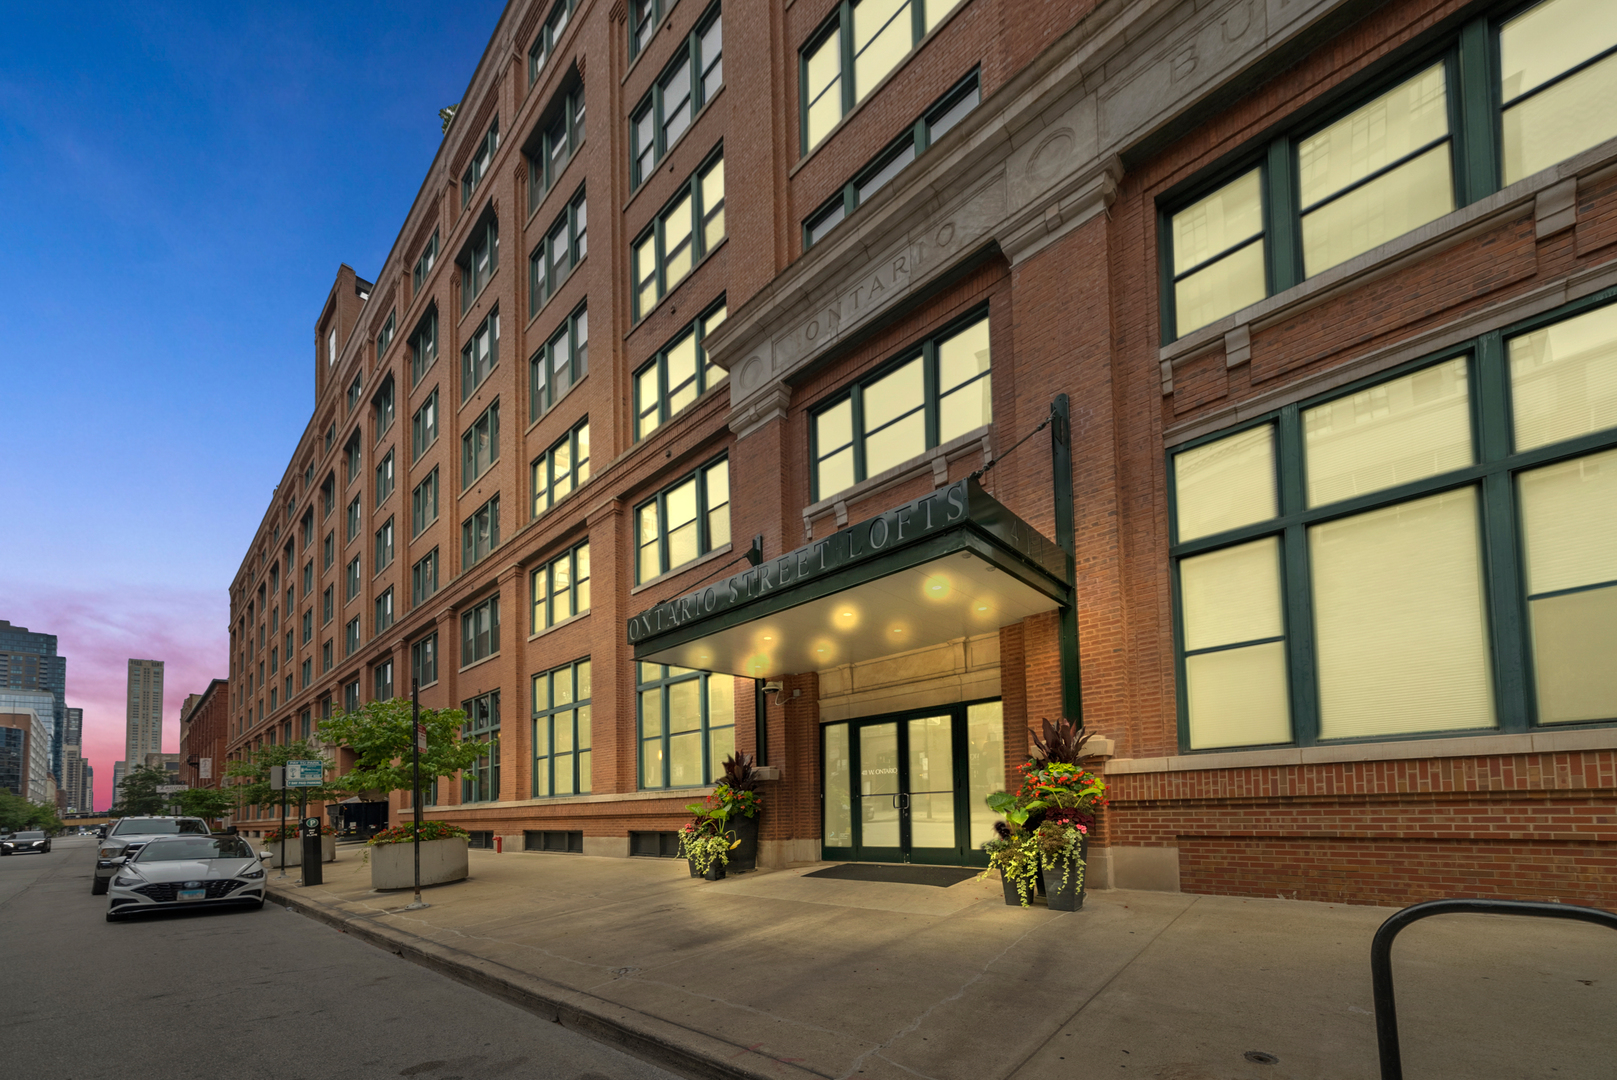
(180, 183)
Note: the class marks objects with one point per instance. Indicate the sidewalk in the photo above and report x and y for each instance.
(772, 974)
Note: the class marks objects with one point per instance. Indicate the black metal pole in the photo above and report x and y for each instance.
(1072, 695)
(283, 822)
(415, 793)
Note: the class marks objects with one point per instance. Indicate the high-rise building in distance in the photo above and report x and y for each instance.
(143, 733)
(28, 661)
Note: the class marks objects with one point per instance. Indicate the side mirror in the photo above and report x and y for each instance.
(265, 856)
(119, 859)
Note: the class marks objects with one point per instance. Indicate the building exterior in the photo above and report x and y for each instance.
(25, 746)
(74, 790)
(204, 727)
(89, 789)
(143, 730)
(1237, 377)
(29, 661)
(118, 768)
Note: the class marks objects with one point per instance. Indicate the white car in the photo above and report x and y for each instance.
(173, 872)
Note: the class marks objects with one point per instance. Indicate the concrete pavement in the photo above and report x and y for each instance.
(774, 974)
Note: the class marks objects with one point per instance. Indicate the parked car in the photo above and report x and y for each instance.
(18, 843)
(128, 835)
(188, 871)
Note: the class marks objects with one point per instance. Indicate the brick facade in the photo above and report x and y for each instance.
(1042, 208)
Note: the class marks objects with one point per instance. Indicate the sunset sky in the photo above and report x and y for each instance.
(181, 183)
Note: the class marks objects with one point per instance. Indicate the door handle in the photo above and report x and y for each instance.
(901, 801)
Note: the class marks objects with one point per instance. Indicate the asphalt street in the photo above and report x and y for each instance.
(244, 994)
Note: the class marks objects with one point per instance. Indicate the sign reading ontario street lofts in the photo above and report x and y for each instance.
(961, 505)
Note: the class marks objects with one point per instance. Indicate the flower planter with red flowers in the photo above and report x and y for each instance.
(293, 843)
(444, 855)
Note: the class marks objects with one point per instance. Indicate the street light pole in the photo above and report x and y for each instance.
(416, 736)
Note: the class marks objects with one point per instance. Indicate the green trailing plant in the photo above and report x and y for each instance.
(705, 846)
(1059, 842)
(1014, 856)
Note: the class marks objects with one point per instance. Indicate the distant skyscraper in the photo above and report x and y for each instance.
(144, 730)
(117, 779)
(89, 788)
(28, 661)
(73, 766)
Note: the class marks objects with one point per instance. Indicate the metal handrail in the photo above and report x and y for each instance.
(1392, 1067)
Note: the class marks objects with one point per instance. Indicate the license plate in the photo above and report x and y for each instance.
(191, 894)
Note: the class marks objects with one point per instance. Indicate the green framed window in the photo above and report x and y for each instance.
(687, 725)
(306, 529)
(356, 389)
(683, 521)
(424, 660)
(424, 578)
(328, 551)
(480, 446)
(691, 225)
(478, 166)
(561, 731)
(480, 631)
(563, 247)
(325, 656)
(424, 504)
(327, 604)
(424, 342)
(354, 455)
(480, 782)
(384, 478)
(544, 43)
(351, 637)
(480, 533)
(328, 492)
(479, 259)
(480, 355)
(928, 128)
(383, 615)
(559, 363)
(1414, 555)
(384, 336)
(853, 51)
(424, 426)
(562, 469)
(561, 587)
(308, 577)
(308, 626)
(353, 519)
(555, 139)
(423, 268)
(382, 405)
(306, 671)
(678, 375)
(382, 681)
(350, 695)
(690, 80)
(1499, 101)
(932, 393)
(384, 547)
(351, 579)
(644, 17)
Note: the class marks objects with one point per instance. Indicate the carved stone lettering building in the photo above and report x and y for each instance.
(857, 382)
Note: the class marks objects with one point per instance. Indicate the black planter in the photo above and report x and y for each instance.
(715, 871)
(1068, 896)
(694, 872)
(744, 856)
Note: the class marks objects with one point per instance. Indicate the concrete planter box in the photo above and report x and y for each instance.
(294, 851)
(393, 865)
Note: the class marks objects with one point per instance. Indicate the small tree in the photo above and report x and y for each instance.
(252, 774)
(138, 794)
(382, 737)
(206, 803)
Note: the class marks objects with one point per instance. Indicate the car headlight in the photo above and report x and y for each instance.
(252, 875)
(127, 877)
(108, 851)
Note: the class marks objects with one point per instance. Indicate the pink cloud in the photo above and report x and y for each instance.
(100, 630)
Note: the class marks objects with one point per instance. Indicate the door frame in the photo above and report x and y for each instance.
(963, 854)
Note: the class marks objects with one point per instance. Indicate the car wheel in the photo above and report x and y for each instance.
(98, 887)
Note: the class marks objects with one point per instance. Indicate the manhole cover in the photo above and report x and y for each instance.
(1261, 1058)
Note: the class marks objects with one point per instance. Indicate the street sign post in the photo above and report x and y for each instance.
(415, 787)
(305, 773)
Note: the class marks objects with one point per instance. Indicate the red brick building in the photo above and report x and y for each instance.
(204, 735)
(1313, 298)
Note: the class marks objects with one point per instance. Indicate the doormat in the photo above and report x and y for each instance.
(908, 874)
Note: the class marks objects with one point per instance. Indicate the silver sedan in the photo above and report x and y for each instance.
(174, 872)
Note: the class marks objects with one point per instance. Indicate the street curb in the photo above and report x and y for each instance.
(667, 1045)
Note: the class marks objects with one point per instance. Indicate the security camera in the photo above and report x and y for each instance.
(774, 687)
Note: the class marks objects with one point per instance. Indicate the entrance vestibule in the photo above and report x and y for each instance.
(912, 786)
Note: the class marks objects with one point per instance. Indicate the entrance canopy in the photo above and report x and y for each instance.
(951, 564)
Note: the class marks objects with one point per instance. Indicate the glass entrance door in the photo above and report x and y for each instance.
(904, 788)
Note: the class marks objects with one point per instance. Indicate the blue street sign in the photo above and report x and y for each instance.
(304, 773)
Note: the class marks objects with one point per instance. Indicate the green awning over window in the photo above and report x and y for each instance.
(951, 564)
